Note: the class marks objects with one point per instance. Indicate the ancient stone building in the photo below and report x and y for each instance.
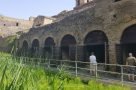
(105, 27)
(13, 22)
(10, 28)
(42, 20)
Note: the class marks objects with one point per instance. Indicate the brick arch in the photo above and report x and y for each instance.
(68, 40)
(35, 46)
(67, 33)
(96, 41)
(35, 43)
(95, 37)
(48, 47)
(24, 48)
(45, 37)
(22, 38)
(49, 41)
(33, 38)
(129, 35)
(117, 32)
(21, 43)
(114, 36)
(128, 42)
(84, 33)
(25, 45)
(68, 49)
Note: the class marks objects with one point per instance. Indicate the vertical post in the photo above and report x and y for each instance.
(96, 71)
(76, 68)
(76, 53)
(50, 57)
(25, 60)
(76, 62)
(52, 52)
(69, 47)
(122, 76)
(58, 56)
(20, 60)
(48, 63)
(32, 61)
(105, 46)
(61, 63)
(90, 68)
(38, 61)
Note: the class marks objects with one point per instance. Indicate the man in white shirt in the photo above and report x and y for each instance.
(93, 64)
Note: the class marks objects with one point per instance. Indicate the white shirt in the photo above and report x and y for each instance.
(93, 59)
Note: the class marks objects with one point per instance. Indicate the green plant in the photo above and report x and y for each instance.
(18, 76)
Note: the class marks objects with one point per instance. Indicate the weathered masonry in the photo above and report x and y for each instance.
(105, 27)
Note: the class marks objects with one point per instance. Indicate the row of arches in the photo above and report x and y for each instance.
(95, 41)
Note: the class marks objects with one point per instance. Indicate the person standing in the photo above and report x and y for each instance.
(131, 61)
(93, 64)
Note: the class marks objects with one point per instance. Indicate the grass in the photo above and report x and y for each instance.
(17, 76)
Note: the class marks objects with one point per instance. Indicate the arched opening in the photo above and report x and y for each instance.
(25, 48)
(25, 45)
(68, 48)
(48, 47)
(35, 47)
(97, 42)
(128, 42)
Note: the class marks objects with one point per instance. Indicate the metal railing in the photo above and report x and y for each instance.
(110, 72)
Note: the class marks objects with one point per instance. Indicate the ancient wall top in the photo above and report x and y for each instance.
(42, 20)
(13, 22)
(82, 2)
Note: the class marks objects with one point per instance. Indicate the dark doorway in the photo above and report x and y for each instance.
(128, 42)
(127, 48)
(24, 50)
(25, 45)
(65, 52)
(35, 47)
(68, 50)
(99, 51)
(96, 42)
(48, 47)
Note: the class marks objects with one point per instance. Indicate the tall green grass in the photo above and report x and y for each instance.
(18, 76)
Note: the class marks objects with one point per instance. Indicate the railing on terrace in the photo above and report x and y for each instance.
(111, 72)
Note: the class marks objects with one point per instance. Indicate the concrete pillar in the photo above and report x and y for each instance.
(112, 56)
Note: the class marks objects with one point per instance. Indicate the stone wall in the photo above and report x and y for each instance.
(8, 22)
(11, 27)
(106, 15)
(42, 20)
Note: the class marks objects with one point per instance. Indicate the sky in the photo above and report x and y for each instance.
(23, 9)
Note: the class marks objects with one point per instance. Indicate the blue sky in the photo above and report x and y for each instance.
(25, 8)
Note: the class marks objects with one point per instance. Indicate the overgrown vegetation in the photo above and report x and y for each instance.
(7, 43)
(17, 76)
